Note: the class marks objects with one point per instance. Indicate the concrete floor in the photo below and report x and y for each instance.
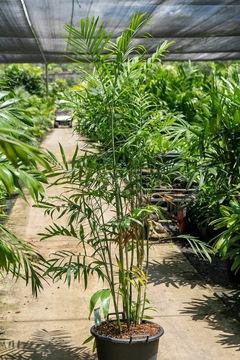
(197, 325)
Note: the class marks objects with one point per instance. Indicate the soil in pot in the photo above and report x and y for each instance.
(110, 330)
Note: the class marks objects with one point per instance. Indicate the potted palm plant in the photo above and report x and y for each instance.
(227, 241)
(105, 202)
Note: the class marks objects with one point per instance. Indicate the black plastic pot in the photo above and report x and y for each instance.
(170, 156)
(232, 277)
(139, 348)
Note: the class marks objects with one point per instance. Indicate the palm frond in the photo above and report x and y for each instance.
(89, 42)
(199, 247)
(21, 259)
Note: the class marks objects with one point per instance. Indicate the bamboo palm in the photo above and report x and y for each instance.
(109, 177)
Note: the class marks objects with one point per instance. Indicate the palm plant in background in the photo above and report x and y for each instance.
(227, 242)
(225, 160)
(210, 147)
(39, 110)
(25, 75)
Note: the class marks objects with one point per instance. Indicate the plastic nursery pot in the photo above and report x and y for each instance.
(232, 277)
(183, 221)
(136, 348)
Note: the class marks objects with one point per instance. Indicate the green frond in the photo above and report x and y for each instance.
(22, 260)
(89, 42)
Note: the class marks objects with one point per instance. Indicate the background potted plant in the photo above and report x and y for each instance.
(227, 242)
(105, 197)
(209, 143)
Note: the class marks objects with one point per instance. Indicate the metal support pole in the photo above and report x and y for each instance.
(46, 77)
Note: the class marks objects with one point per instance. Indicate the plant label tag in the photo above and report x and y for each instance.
(97, 316)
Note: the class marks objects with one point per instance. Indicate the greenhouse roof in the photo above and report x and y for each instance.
(32, 31)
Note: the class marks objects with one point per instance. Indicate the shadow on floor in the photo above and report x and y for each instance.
(217, 317)
(173, 271)
(54, 345)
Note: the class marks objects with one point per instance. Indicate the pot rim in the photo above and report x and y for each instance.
(133, 340)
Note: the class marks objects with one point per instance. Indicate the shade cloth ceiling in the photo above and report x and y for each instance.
(31, 31)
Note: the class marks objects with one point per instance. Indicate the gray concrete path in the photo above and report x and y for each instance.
(53, 326)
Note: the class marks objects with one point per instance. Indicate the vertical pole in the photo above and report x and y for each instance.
(46, 77)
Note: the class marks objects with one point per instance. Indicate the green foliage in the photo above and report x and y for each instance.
(104, 201)
(3, 195)
(19, 161)
(15, 134)
(26, 76)
(227, 242)
(210, 147)
(98, 178)
(22, 260)
(56, 87)
(40, 111)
